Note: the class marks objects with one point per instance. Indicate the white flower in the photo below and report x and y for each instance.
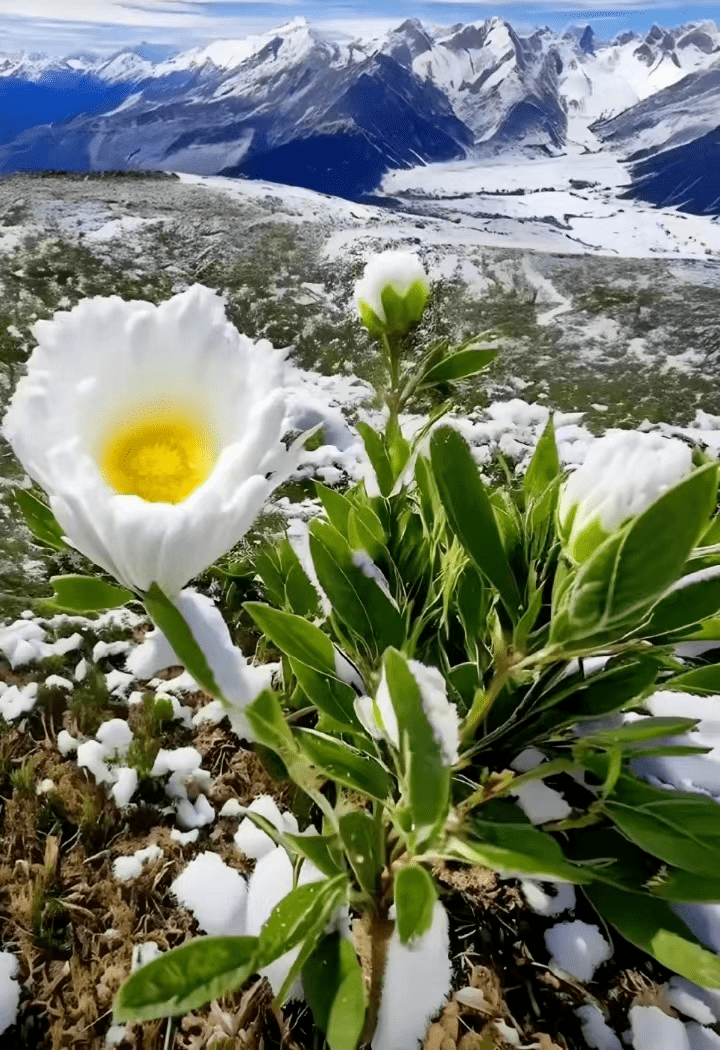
(404, 276)
(623, 474)
(239, 681)
(379, 719)
(155, 431)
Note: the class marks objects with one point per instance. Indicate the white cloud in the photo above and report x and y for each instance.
(152, 13)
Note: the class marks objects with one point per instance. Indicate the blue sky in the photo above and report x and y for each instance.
(64, 26)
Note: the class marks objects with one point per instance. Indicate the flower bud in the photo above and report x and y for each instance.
(623, 474)
(392, 293)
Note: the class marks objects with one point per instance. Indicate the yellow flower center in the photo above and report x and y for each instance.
(162, 457)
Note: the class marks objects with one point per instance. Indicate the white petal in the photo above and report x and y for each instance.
(105, 360)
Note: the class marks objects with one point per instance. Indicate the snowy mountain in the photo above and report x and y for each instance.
(293, 105)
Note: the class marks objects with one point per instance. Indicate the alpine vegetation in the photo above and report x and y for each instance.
(469, 667)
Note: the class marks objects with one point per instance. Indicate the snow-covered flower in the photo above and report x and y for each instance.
(379, 718)
(392, 292)
(154, 430)
(623, 474)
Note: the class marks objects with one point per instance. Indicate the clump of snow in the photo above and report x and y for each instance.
(92, 756)
(129, 867)
(17, 700)
(125, 786)
(9, 990)
(118, 682)
(102, 649)
(577, 948)
(81, 671)
(701, 1038)
(651, 1029)
(541, 803)
(252, 840)
(543, 903)
(232, 808)
(417, 983)
(596, 1031)
(221, 911)
(186, 785)
(439, 711)
(399, 270)
(58, 682)
(184, 837)
(66, 742)
(709, 996)
(624, 472)
(143, 954)
(115, 735)
(680, 994)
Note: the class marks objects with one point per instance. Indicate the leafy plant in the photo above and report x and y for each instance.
(446, 671)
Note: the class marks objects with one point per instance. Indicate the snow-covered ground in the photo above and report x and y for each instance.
(568, 204)
(512, 426)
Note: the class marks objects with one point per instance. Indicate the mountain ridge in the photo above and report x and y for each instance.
(416, 94)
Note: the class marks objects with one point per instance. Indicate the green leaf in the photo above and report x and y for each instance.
(654, 928)
(322, 850)
(465, 680)
(428, 778)
(687, 605)
(300, 918)
(605, 691)
(40, 520)
(703, 681)
(545, 465)
(345, 764)
(333, 982)
(378, 456)
(362, 538)
(336, 505)
(294, 636)
(177, 631)
(680, 828)
(644, 729)
(510, 861)
(356, 599)
(684, 886)
(82, 594)
(456, 366)
(267, 722)
(470, 512)
(331, 696)
(294, 917)
(285, 581)
(186, 978)
(415, 897)
(360, 841)
(501, 823)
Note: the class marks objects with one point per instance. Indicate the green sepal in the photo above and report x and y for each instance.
(83, 594)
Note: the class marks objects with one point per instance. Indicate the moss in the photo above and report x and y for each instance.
(90, 702)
